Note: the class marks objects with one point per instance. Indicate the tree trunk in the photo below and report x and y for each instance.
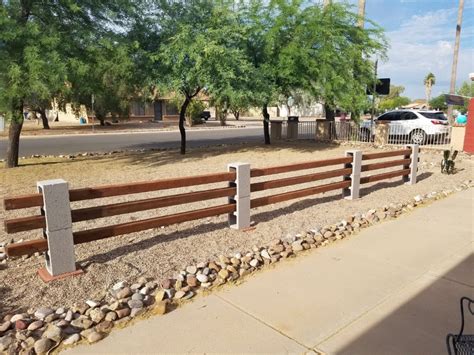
(182, 119)
(14, 131)
(330, 116)
(266, 124)
(236, 115)
(101, 120)
(42, 112)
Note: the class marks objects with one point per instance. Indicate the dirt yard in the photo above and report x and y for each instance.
(162, 252)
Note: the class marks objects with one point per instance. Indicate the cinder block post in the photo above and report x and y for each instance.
(410, 179)
(240, 219)
(352, 192)
(60, 259)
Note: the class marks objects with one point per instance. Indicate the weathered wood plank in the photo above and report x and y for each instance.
(385, 164)
(298, 166)
(273, 184)
(268, 200)
(384, 176)
(391, 153)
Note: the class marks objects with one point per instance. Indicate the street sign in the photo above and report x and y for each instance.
(382, 87)
(454, 99)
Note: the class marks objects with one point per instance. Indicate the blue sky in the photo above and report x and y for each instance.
(421, 36)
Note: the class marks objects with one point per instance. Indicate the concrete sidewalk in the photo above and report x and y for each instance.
(392, 289)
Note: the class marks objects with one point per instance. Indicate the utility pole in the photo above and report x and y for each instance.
(374, 88)
(360, 22)
(452, 88)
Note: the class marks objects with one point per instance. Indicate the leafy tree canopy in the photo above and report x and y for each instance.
(394, 99)
(439, 103)
(38, 42)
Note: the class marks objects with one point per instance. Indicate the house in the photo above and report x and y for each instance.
(419, 104)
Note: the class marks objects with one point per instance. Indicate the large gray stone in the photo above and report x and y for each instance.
(43, 345)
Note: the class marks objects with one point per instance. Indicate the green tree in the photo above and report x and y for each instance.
(396, 102)
(320, 51)
(343, 59)
(394, 99)
(273, 47)
(200, 49)
(37, 44)
(104, 80)
(439, 103)
(466, 90)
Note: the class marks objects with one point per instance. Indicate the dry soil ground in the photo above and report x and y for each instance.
(162, 252)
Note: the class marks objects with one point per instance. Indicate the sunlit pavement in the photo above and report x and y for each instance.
(392, 289)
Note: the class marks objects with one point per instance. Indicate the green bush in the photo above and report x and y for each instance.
(194, 111)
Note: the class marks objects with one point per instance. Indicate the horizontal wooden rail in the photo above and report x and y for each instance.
(89, 193)
(41, 245)
(298, 166)
(23, 201)
(24, 224)
(268, 200)
(83, 214)
(385, 164)
(392, 153)
(273, 184)
(27, 248)
(384, 176)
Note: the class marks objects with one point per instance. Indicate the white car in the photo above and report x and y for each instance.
(417, 126)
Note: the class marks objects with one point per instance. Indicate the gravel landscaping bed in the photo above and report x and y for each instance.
(160, 254)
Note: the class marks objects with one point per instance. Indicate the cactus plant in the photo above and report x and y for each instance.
(447, 164)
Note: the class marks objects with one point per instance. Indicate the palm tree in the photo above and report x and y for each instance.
(429, 81)
(361, 14)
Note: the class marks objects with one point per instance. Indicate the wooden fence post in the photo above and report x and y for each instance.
(240, 219)
(410, 179)
(352, 192)
(60, 259)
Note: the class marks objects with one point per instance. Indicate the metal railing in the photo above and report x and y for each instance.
(393, 133)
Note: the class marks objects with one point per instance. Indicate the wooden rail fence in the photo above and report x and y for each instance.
(238, 192)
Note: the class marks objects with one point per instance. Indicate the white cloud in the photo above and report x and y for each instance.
(424, 43)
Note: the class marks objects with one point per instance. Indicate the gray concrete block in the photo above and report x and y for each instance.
(353, 192)
(240, 219)
(411, 178)
(60, 257)
(56, 204)
(242, 180)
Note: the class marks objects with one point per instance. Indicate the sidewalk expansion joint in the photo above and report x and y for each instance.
(263, 322)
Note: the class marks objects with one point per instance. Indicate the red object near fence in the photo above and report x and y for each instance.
(469, 136)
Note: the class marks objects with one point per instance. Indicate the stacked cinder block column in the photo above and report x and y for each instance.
(240, 219)
(413, 166)
(352, 192)
(60, 259)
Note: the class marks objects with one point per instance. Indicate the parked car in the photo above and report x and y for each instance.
(205, 115)
(418, 126)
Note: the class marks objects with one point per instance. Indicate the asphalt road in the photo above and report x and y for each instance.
(105, 142)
